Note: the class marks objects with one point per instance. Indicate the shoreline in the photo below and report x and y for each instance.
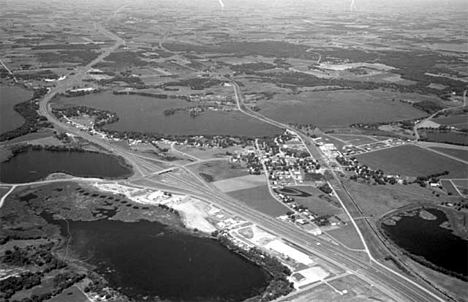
(28, 148)
(412, 211)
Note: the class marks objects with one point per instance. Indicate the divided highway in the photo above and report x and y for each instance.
(397, 286)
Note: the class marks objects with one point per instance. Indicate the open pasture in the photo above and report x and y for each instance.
(410, 160)
(339, 108)
(317, 202)
(375, 201)
(457, 121)
(259, 198)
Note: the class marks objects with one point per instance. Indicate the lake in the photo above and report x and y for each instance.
(146, 114)
(426, 238)
(9, 97)
(37, 164)
(149, 259)
(338, 108)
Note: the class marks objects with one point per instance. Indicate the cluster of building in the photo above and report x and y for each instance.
(286, 160)
(366, 173)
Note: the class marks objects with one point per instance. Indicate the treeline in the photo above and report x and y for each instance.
(33, 120)
(38, 75)
(82, 57)
(65, 46)
(21, 148)
(251, 67)
(41, 258)
(147, 94)
(428, 106)
(9, 286)
(421, 260)
(194, 83)
(279, 285)
(130, 80)
(422, 180)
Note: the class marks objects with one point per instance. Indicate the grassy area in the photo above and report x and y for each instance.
(72, 294)
(375, 201)
(458, 153)
(29, 137)
(347, 236)
(5, 154)
(357, 291)
(413, 161)
(356, 139)
(259, 198)
(240, 183)
(220, 170)
(318, 202)
(455, 287)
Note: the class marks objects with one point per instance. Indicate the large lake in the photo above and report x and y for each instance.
(9, 97)
(426, 238)
(339, 108)
(37, 164)
(148, 259)
(146, 114)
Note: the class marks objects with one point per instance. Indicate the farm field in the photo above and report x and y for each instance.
(410, 160)
(450, 137)
(259, 198)
(458, 153)
(146, 114)
(338, 108)
(219, 170)
(462, 185)
(458, 121)
(9, 97)
(449, 187)
(356, 139)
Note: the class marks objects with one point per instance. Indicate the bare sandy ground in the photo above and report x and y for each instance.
(194, 214)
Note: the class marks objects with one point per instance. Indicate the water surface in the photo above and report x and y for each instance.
(37, 164)
(9, 97)
(426, 238)
(146, 114)
(147, 259)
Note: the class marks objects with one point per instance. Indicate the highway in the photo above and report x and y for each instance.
(414, 291)
(363, 265)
